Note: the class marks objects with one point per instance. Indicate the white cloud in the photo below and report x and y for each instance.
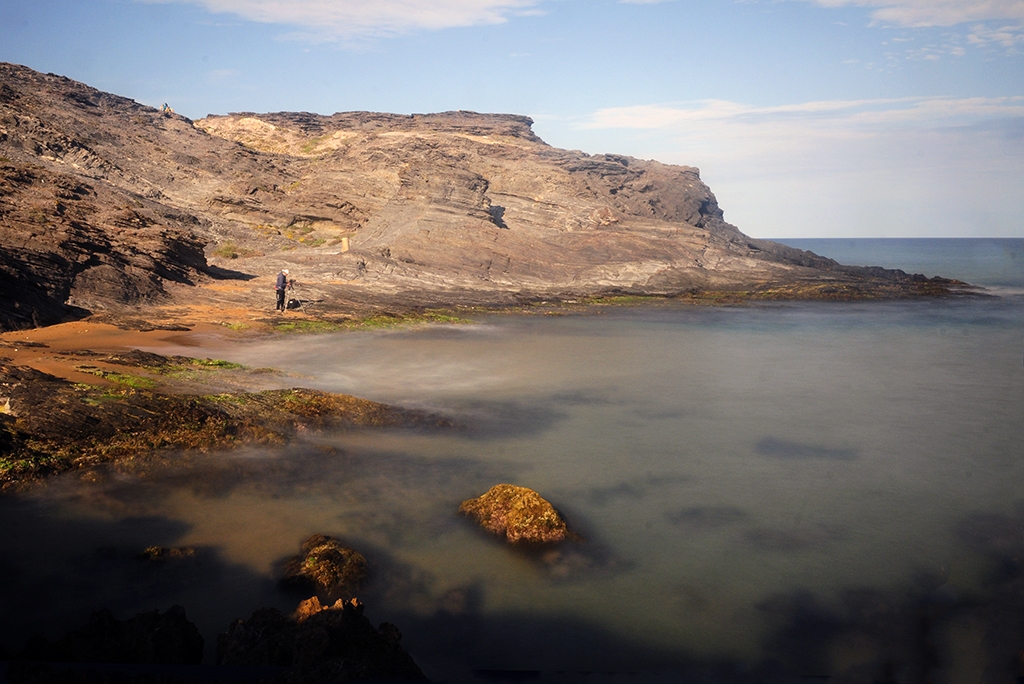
(926, 166)
(1007, 36)
(333, 19)
(920, 13)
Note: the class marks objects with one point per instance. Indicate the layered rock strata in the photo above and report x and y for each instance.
(107, 203)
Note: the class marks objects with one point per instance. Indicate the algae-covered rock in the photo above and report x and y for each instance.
(519, 514)
(325, 566)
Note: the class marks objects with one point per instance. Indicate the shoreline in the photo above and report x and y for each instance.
(98, 378)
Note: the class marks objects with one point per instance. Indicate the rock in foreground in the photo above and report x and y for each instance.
(519, 514)
(319, 644)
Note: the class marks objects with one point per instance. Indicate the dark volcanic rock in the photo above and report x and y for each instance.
(325, 567)
(518, 514)
(105, 202)
(319, 645)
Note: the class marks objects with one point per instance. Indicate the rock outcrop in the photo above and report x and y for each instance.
(325, 567)
(317, 644)
(107, 203)
(518, 514)
(51, 425)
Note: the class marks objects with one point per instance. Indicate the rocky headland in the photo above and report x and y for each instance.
(113, 208)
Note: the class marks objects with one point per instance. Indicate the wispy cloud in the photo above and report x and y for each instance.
(346, 19)
(827, 115)
(921, 13)
(937, 157)
(1009, 36)
(993, 22)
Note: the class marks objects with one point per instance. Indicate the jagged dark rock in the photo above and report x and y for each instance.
(319, 644)
(106, 204)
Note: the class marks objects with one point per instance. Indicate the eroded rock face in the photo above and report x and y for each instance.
(70, 246)
(319, 645)
(326, 567)
(105, 202)
(518, 514)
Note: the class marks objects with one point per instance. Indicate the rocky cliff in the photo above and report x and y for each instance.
(107, 204)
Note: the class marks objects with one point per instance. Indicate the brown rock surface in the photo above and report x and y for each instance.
(106, 204)
(325, 566)
(518, 514)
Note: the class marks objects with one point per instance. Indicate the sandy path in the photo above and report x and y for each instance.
(57, 349)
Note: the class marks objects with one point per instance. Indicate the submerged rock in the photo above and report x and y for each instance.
(319, 644)
(519, 514)
(326, 567)
(163, 553)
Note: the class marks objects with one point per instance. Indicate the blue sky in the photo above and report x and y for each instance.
(808, 118)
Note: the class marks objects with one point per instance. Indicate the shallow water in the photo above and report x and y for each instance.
(783, 490)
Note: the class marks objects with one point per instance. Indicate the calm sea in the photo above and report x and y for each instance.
(767, 493)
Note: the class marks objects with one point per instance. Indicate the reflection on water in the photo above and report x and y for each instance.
(770, 491)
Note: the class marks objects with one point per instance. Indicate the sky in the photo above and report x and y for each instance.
(807, 118)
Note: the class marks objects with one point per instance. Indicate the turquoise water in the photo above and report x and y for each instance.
(766, 492)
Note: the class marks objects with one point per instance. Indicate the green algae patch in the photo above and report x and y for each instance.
(126, 379)
(518, 514)
(377, 321)
(308, 326)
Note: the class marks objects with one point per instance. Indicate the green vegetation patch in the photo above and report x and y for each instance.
(308, 326)
(390, 320)
(229, 250)
(126, 379)
(378, 321)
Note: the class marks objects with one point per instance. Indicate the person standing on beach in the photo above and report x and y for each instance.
(280, 287)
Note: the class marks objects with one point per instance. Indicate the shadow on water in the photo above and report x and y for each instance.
(784, 448)
(54, 571)
(702, 518)
(637, 489)
(487, 420)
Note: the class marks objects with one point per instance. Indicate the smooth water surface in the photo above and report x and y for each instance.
(801, 489)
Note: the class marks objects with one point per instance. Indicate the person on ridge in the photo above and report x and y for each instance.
(282, 284)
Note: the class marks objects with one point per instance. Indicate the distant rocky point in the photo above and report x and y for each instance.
(110, 205)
